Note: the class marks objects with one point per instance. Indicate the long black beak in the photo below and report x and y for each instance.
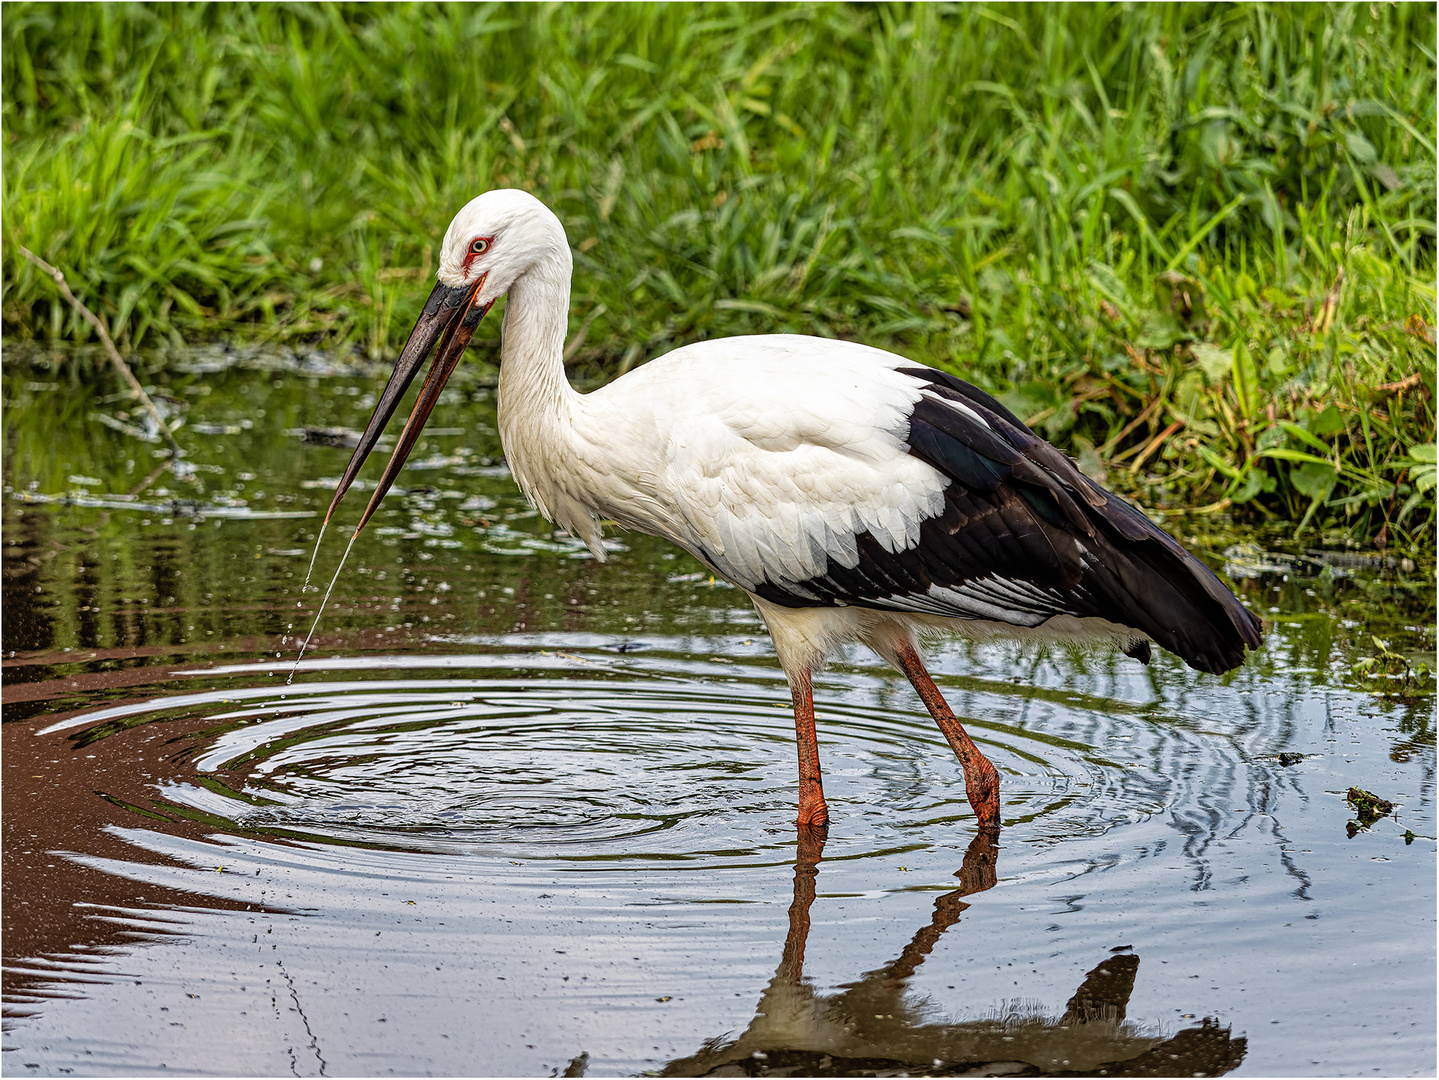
(450, 317)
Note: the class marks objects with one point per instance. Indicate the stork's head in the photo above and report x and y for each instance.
(495, 239)
(492, 243)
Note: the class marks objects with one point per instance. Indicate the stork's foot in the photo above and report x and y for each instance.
(981, 785)
(813, 814)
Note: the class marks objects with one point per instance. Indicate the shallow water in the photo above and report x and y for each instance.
(521, 813)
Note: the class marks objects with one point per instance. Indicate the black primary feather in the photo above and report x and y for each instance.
(1024, 536)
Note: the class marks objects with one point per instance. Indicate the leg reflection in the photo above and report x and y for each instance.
(875, 1026)
(808, 852)
(975, 875)
(979, 869)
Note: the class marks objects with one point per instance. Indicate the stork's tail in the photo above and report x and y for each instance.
(1152, 584)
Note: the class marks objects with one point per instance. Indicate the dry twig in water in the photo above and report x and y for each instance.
(1155, 445)
(114, 353)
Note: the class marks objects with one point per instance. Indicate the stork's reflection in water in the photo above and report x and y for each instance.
(872, 1027)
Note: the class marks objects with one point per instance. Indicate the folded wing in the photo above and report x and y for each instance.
(906, 489)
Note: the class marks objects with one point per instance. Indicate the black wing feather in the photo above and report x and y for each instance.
(1025, 536)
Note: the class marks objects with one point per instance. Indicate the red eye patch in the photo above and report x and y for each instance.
(483, 244)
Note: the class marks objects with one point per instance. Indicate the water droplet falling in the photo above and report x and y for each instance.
(301, 655)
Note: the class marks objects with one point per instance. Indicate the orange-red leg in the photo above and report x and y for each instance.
(812, 810)
(981, 778)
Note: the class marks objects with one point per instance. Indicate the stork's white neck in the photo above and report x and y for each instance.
(537, 405)
(532, 341)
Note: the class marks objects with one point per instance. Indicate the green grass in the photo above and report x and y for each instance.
(1197, 238)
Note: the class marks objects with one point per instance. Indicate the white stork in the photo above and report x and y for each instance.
(854, 494)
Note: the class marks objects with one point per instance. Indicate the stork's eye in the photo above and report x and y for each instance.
(479, 247)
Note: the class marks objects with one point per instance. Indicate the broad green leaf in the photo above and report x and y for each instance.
(1328, 422)
(1107, 281)
(1422, 468)
(1281, 300)
(1255, 482)
(1409, 505)
(1272, 436)
(1362, 149)
(1313, 480)
(1188, 392)
(1269, 209)
(1423, 452)
(1214, 361)
(1161, 331)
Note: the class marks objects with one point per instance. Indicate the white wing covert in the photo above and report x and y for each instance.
(780, 479)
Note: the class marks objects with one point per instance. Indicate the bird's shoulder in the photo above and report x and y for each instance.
(772, 375)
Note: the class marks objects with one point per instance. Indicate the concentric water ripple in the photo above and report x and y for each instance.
(498, 852)
(578, 757)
